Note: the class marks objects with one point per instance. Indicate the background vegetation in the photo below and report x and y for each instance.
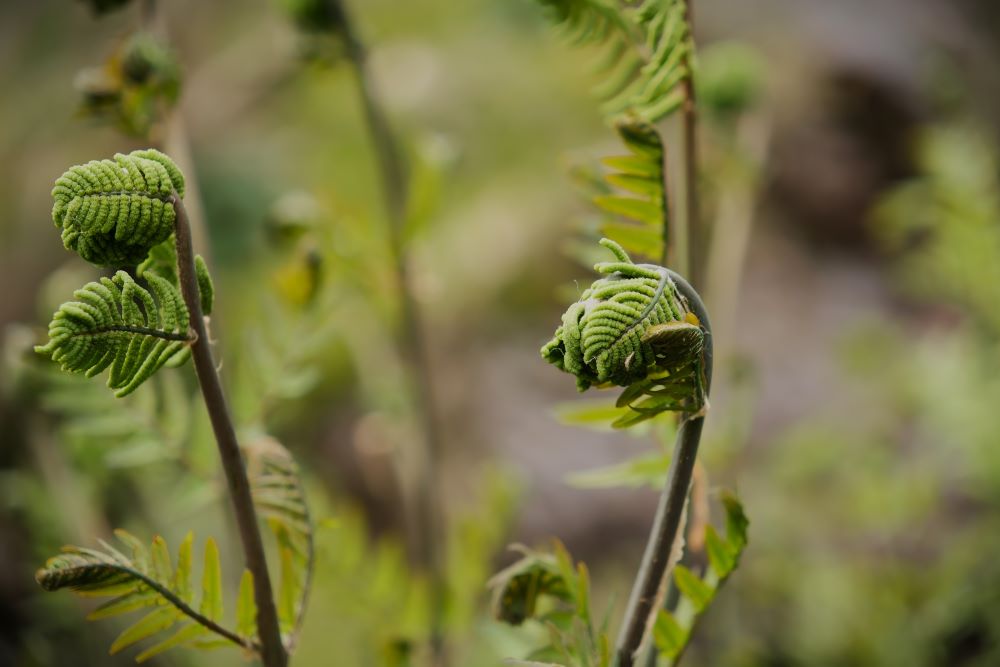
(853, 284)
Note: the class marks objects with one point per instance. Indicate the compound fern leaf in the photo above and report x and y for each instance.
(280, 498)
(633, 329)
(645, 52)
(147, 579)
(118, 323)
(112, 212)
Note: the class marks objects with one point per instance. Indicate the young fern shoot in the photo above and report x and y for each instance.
(127, 213)
(643, 327)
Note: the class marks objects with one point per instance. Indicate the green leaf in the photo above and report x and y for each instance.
(211, 582)
(597, 415)
(185, 635)
(693, 588)
(206, 289)
(636, 209)
(720, 555)
(670, 638)
(246, 607)
(150, 624)
(182, 576)
(642, 471)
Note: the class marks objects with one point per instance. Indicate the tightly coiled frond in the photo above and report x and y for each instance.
(112, 212)
(118, 323)
(633, 329)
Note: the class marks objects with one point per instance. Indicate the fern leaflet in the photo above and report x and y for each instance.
(117, 323)
(148, 579)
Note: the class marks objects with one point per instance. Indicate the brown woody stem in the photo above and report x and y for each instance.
(272, 651)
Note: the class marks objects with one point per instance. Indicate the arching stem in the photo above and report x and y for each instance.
(670, 511)
(272, 651)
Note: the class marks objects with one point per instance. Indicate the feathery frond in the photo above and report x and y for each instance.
(148, 579)
(645, 52)
(118, 323)
(112, 212)
(633, 329)
(280, 499)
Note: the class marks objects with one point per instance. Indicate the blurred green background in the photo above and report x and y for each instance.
(854, 283)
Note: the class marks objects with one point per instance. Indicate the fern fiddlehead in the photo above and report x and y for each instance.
(112, 212)
(634, 329)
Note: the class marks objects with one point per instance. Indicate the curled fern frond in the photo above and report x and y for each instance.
(149, 579)
(633, 329)
(118, 323)
(112, 212)
(280, 499)
(645, 52)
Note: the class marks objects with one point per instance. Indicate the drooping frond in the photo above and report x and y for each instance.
(118, 323)
(645, 49)
(672, 631)
(147, 579)
(112, 212)
(280, 499)
(645, 205)
(633, 329)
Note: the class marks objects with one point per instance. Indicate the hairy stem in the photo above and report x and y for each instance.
(272, 652)
(670, 511)
(428, 533)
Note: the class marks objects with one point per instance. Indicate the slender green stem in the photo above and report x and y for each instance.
(429, 531)
(272, 651)
(670, 511)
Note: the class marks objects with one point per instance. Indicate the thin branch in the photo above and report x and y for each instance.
(697, 233)
(411, 339)
(670, 511)
(272, 651)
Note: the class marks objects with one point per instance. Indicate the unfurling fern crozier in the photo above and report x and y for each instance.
(633, 328)
(112, 212)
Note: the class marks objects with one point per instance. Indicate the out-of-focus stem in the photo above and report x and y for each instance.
(429, 533)
(697, 233)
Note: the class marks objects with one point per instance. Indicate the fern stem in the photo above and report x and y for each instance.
(272, 651)
(696, 232)
(670, 511)
(428, 536)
